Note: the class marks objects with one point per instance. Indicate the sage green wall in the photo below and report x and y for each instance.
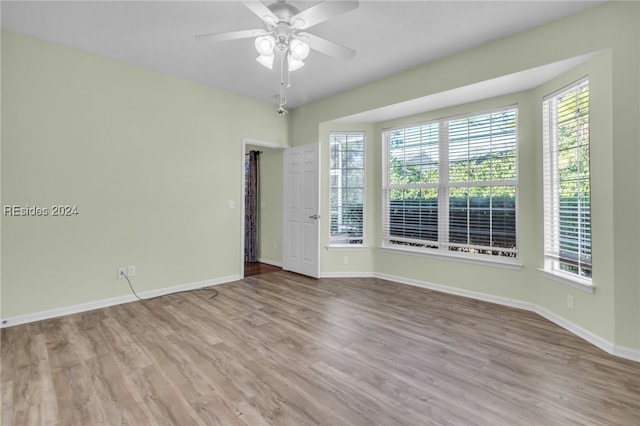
(150, 161)
(612, 313)
(626, 175)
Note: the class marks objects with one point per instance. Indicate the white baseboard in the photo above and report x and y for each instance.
(347, 275)
(270, 262)
(104, 303)
(459, 292)
(594, 339)
(624, 352)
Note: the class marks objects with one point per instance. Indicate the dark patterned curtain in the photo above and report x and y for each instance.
(251, 208)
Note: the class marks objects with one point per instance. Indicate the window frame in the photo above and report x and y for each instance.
(334, 240)
(444, 184)
(552, 233)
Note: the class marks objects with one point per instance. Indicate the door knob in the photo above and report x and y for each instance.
(315, 216)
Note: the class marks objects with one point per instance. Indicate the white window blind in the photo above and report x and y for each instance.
(346, 188)
(567, 188)
(411, 186)
(451, 185)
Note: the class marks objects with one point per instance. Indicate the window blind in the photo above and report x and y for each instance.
(567, 188)
(411, 187)
(451, 185)
(346, 188)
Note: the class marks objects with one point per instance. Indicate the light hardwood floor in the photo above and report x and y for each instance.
(281, 349)
(259, 268)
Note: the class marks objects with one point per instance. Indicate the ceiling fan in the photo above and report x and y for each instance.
(284, 25)
(283, 35)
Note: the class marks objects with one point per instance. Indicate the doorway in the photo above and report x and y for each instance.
(266, 202)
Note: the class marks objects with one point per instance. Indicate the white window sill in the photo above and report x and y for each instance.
(566, 279)
(347, 247)
(474, 259)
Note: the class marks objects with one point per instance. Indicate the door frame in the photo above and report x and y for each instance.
(243, 146)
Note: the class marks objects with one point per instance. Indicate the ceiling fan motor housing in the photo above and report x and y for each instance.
(284, 11)
(283, 29)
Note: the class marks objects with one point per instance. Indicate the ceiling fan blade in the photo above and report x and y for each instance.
(321, 12)
(328, 47)
(233, 35)
(261, 11)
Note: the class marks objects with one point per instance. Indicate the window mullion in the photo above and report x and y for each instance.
(443, 187)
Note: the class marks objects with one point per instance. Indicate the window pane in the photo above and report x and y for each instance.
(346, 188)
(480, 216)
(413, 155)
(353, 178)
(476, 208)
(503, 217)
(413, 214)
(483, 148)
(458, 215)
(567, 181)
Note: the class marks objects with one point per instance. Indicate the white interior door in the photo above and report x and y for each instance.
(301, 213)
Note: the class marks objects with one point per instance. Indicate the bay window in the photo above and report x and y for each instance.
(450, 186)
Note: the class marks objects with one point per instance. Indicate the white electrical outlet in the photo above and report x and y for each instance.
(131, 271)
(569, 301)
(345, 260)
(121, 271)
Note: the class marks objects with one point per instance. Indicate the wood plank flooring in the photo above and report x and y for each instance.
(281, 349)
(256, 268)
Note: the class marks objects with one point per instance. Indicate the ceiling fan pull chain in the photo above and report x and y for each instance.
(281, 78)
(283, 99)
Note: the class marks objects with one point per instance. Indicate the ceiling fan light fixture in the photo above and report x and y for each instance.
(298, 49)
(265, 45)
(282, 35)
(293, 63)
(266, 60)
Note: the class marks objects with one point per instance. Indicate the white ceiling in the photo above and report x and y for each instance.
(389, 36)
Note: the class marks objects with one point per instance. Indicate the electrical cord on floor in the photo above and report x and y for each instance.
(215, 292)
